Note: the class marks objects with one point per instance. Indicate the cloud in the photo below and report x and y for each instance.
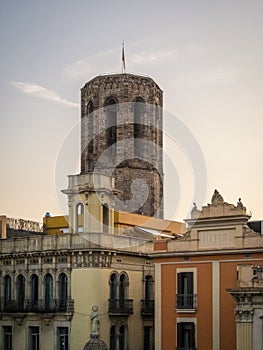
(110, 61)
(148, 57)
(42, 93)
(222, 74)
(94, 64)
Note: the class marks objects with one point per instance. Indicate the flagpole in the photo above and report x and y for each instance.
(123, 65)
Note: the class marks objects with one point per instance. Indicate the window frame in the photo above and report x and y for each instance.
(7, 345)
(190, 303)
(193, 341)
(60, 335)
(33, 333)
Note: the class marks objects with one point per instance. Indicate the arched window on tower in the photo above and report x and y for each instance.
(63, 290)
(7, 290)
(20, 291)
(111, 123)
(138, 125)
(34, 290)
(48, 291)
(90, 109)
(80, 218)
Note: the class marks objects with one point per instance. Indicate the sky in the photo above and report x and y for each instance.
(205, 55)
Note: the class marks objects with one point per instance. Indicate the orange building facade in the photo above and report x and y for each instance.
(193, 274)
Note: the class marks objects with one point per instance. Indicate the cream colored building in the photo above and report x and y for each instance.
(50, 283)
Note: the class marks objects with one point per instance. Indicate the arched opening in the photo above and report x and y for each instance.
(34, 290)
(20, 291)
(124, 284)
(113, 338)
(111, 123)
(138, 125)
(62, 289)
(90, 109)
(148, 288)
(113, 286)
(122, 337)
(48, 291)
(80, 218)
(7, 289)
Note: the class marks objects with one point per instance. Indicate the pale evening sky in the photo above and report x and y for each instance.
(205, 55)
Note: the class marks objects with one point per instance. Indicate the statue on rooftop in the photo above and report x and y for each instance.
(217, 198)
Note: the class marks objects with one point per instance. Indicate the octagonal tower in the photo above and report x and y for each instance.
(121, 136)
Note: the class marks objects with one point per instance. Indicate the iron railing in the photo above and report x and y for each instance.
(120, 306)
(147, 307)
(186, 301)
(38, 306)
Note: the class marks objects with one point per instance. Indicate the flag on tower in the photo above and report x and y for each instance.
(123, 59)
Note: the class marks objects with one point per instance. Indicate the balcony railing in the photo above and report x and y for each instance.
(186, 302)
(120, 306)
(185, 348)
(38, 306)
(147, 307)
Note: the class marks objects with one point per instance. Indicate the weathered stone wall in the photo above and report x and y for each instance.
(108, 138)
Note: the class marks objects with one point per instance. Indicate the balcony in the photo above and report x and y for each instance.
(120, 307)
(147, 307)
(186, 302)
(38, 306)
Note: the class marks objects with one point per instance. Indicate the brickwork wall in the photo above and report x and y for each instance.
(97, 152)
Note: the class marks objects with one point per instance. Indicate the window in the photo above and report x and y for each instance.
(62, 338)
(147, 304)
(186, 286)
(105, 215)
(7, 290)
(80, 218)
(90, 107)
(113, 286)
(20, 292)
(34, 290)
(138, 126)
(118, 337)
(63, 290)
(185, 336)
(124, 284)
(113, 338)
(122, 338)
(90, 135)
(111, 123)
(48, 291)
(7, 338)
(148, 338)
(148, 292)
(33, 338)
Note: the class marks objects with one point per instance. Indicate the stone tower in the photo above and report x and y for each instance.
(121, 136)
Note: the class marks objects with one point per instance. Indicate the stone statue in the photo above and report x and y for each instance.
(217, 198)
(95, 322)
(240, 204)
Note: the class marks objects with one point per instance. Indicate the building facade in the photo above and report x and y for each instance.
(196, 274)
